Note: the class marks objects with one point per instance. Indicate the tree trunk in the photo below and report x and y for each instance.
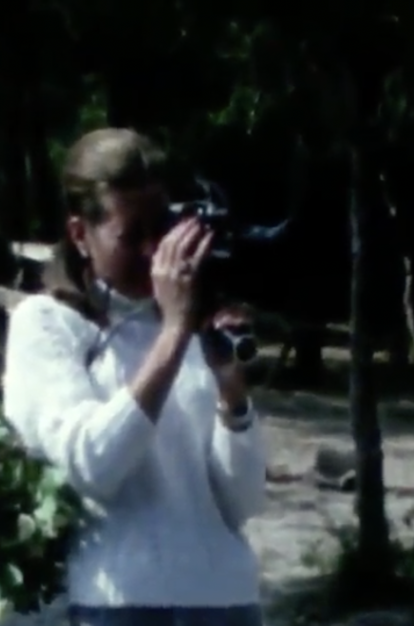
(409, 303)
(373, 538)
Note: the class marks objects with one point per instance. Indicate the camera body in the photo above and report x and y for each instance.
(242, 256)
(212, 209)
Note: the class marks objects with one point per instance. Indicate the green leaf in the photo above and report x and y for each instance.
(14, 575)
(26, 526)
(45, 516)
(6, 608)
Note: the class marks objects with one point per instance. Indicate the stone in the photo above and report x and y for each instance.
(380, 618)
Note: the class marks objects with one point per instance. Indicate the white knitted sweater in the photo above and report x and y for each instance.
(164, 503)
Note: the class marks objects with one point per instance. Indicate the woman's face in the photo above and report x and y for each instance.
(121, 246)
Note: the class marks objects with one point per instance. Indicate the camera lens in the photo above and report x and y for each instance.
(246, 349)
(219, 342)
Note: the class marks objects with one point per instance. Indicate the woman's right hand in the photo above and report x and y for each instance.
(175, 270)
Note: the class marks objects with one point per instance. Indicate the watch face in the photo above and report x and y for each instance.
(241, 410)
(246, 349)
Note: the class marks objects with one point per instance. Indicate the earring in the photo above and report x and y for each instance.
(84, 254)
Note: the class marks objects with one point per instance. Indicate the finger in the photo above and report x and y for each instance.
(157, 267)
(160, 260)
(176, 232)
(189, 233)
(163, 252)
(187, 242)
(229, 321)
(157, 260)
(180, 230)
(239, 313)
(224, 319)
(202, 250)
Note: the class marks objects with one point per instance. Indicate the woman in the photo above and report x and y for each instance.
(155, 433)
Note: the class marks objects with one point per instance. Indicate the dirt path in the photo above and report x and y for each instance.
(297, 514)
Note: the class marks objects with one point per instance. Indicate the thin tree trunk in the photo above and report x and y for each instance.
(373, 539)
(409, 303)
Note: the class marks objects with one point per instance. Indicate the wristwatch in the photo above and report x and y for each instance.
(239, 418)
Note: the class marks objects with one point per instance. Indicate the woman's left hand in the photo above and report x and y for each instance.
(229, 373)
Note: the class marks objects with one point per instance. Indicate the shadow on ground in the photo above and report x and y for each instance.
(390, 381)
(324, 408)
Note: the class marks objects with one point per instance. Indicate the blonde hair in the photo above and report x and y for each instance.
(108, 158)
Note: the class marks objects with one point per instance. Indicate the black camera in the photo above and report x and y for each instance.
(242, 256)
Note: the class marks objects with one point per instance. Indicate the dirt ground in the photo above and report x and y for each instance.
(296, 423)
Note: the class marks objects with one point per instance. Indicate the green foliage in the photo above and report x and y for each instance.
(353, 582)
(90, 115)
(37, 512)
(201, 72)
(328, 557)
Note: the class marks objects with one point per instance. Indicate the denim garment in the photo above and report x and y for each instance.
(249, 615)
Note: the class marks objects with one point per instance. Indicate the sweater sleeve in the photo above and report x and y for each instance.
(237, 465)
(50, 400)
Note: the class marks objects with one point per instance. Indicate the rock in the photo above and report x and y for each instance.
(335, 468)
(380, 618)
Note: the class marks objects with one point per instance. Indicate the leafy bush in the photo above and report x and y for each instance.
(37, 515)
